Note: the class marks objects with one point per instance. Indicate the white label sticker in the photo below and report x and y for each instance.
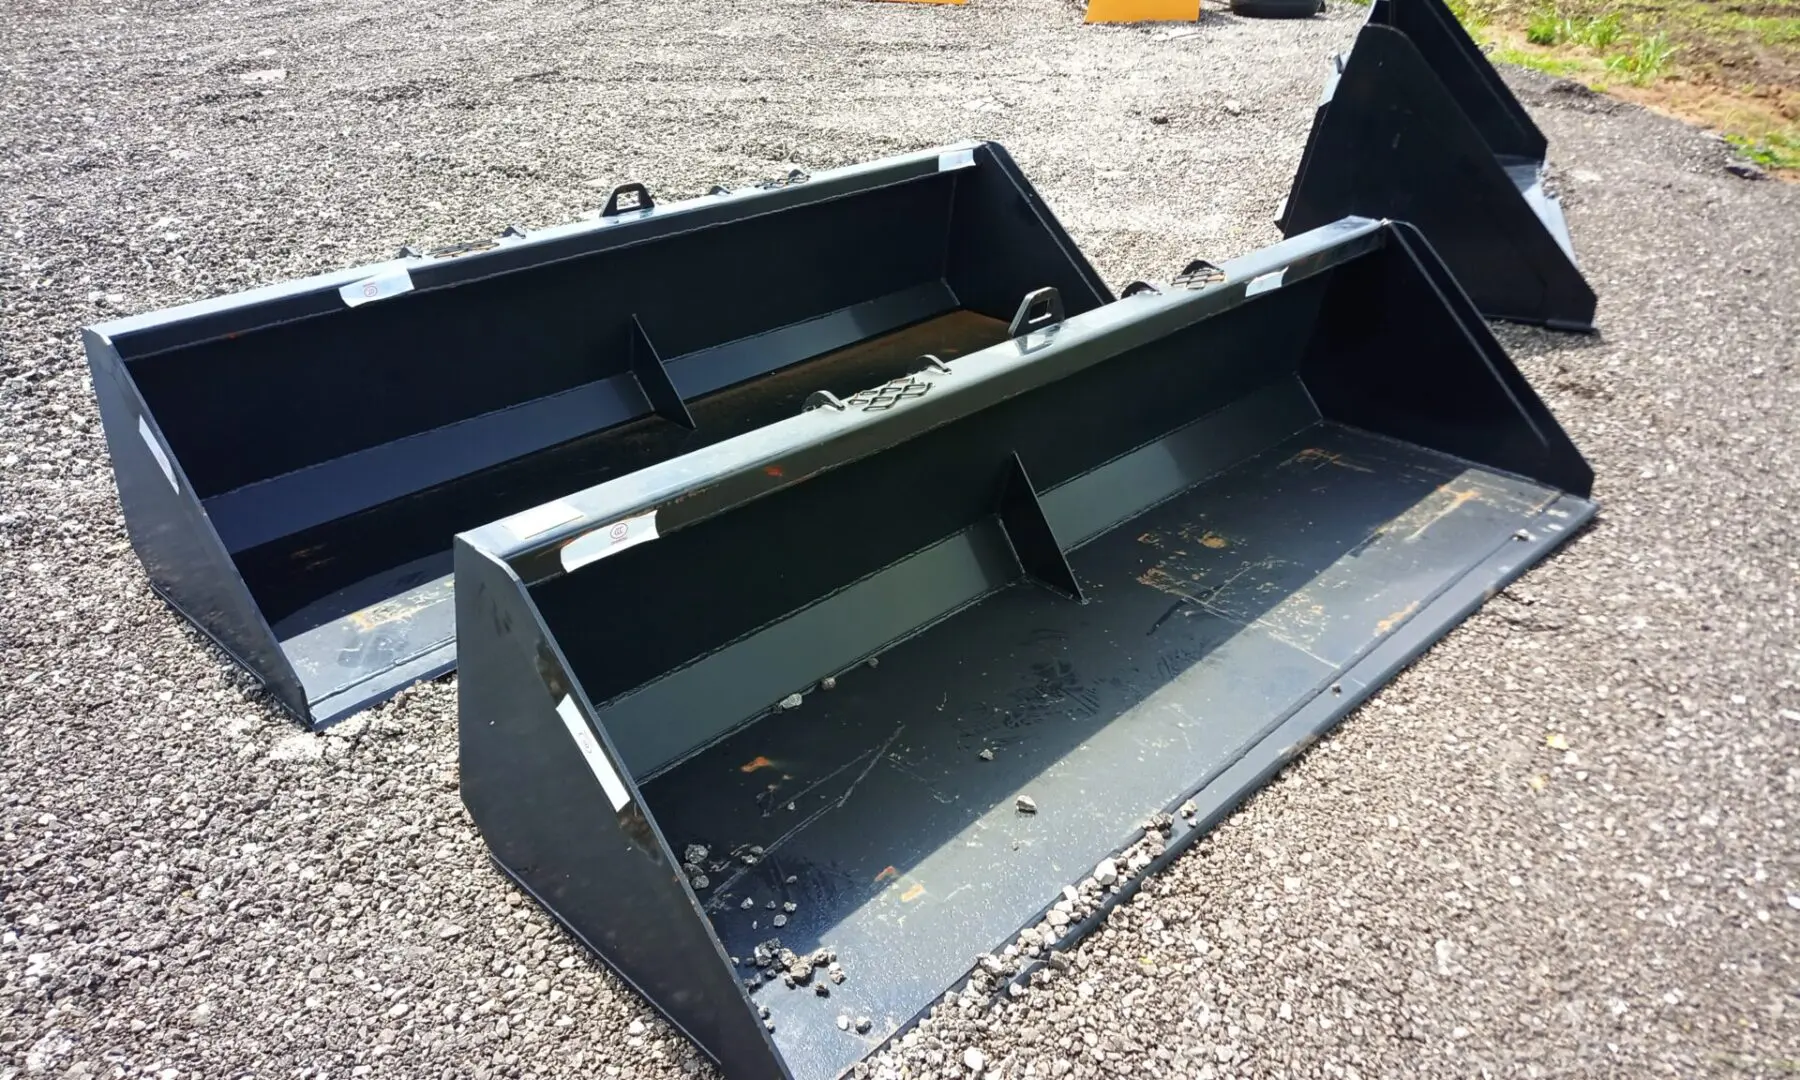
(590, 750)
(956, 159)
(380, 287)
(1263, 283)
(540, 519)
(156, 451)
(608, 540)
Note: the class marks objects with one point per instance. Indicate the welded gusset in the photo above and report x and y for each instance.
(653, 378)
(1032, 537)
(1417, 126)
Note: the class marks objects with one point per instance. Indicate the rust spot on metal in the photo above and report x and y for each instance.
(400, 607)
(1296, 749)
(755, 763)
(1159, 578)
(1151, 538)
(1458, 499)
(1204, 537)
(1396, 618)
(773, 470)
(887, 874)
(912, 894)
(1318, 459)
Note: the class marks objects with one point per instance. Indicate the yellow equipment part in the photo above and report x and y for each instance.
(1134, 11)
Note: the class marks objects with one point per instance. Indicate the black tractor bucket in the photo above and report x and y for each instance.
(294, 461)
(1416, 125)
(792, 729)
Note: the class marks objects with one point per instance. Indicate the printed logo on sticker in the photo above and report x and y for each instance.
(392, 282)
(609, 540)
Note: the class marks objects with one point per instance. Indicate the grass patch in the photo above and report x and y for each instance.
(1644, 62)
(1769, 30)
(1596, 33)
(1733, 67)
(1776, 150)
(1547, 27)
(1562, 67)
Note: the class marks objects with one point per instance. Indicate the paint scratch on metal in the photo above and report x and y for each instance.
(1458, 499)
(1297, 622)
(402, 607)
(1386, 625)
(1158, 577)
(1318, 459)
(874, 760)
(1295, 749)
(1204, 537)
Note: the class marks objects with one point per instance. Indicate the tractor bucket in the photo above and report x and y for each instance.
(294, 461)
(1417, 125)
(874, 685)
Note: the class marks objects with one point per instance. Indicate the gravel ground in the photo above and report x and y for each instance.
(1558, 846)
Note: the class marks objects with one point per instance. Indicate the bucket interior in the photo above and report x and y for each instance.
(1237, 552)
(336, 455)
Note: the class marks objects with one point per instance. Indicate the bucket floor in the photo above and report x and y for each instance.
(1210, 619)
(398, 625)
